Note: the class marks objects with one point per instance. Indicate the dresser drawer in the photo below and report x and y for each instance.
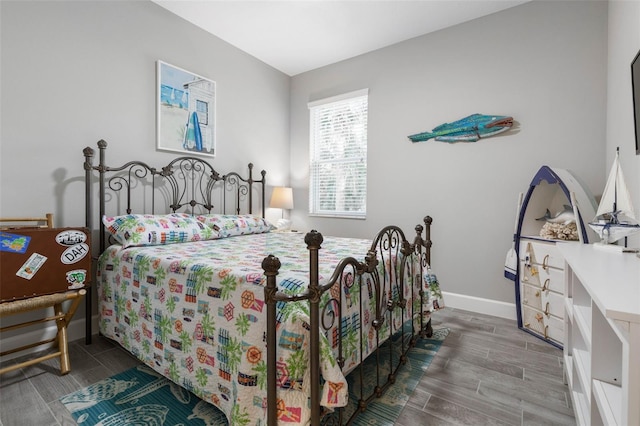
(555, 330)
(548, 279)
(546, 326)
(553, 304)
(548, 302)
(541, 253)
(542, 289)
(531, 296)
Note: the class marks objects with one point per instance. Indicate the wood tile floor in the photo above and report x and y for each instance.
(486, 373)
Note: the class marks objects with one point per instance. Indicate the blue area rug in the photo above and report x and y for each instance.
(385, 410)
(140, 396)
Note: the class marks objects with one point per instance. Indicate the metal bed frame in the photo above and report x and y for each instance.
(192, 185)
(387, 265)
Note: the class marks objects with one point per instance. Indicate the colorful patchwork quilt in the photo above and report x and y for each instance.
(195, 313)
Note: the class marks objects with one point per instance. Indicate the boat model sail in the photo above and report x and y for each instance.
(615, 218)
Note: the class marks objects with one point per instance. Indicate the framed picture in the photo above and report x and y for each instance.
(186, 111)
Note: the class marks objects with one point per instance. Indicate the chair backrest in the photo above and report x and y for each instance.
(27, 222)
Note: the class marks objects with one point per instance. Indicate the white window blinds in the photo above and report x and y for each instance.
(338, 175)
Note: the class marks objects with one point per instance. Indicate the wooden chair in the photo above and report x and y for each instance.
(60, 316)
(27, 222)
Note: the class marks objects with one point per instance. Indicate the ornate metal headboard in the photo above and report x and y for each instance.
(187, 184)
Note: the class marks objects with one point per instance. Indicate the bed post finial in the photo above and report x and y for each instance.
(270, 265)
(264, 184)
(426, 241)
(88, 157)
(427, 236)
(88, 168)
(313, 239)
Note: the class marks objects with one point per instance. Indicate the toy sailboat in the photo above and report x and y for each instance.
(615, 218)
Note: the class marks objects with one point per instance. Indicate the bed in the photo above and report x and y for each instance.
(264, 325)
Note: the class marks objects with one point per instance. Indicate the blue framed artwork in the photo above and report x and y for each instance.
(186, 107)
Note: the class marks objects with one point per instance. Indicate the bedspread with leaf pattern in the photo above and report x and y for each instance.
(195, 313)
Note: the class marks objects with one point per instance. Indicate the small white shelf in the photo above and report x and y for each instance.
(582, 318)
(568, 368)
(581, 408)
(582, 366)
(568, 308)
(608, 397)
(546, 240)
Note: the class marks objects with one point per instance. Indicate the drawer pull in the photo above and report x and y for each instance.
(545, 286)
(546, 309)
(537, 293)
(545, 263)
(546, 336)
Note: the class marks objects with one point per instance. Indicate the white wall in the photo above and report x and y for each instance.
(77, 72)
(623, 46)
(544, 63)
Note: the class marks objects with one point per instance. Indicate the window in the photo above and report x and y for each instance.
(202, 108)
(338, 175)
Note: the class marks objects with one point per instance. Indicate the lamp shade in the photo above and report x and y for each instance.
(281, 198)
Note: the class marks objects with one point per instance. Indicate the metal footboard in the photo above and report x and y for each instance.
(393, 268)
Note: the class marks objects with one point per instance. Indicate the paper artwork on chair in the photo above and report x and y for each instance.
(186, 106)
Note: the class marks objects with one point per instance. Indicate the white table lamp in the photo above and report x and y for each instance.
(282, 198)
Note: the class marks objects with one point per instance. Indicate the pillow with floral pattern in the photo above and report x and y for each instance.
(148, 230)
(229, 225)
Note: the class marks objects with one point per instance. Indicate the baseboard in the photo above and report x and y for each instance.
(480, 305)
(75, 331)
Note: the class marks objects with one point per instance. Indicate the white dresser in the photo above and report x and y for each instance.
(542, 288)
(540, 276)
(602, 334)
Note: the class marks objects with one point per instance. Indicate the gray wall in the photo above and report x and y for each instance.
(77, 72)
(544, 63)
(623, 46)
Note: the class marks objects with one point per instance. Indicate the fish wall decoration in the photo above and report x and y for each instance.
(468, 129)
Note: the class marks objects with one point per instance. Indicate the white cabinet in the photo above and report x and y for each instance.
(542, 289)
(602, 334)
(540, 277)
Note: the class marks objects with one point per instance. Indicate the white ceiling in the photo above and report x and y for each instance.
(300, 35)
